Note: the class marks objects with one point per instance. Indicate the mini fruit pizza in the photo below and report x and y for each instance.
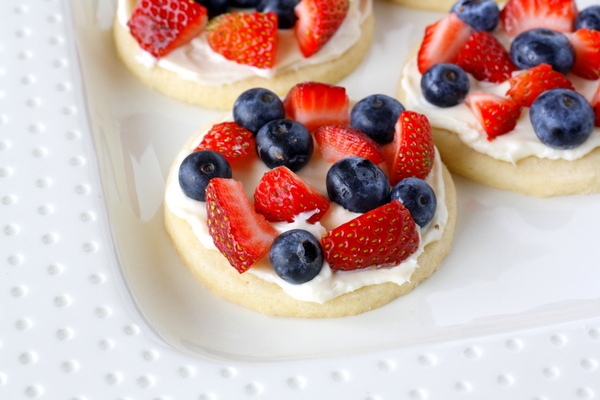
(513, 94)
(208, 52)
(309, 207)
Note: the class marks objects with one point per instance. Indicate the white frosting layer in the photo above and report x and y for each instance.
(328, 284)
(520, 143)
(197, 62)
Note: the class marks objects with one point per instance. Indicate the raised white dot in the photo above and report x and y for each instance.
(69, 110)
(296, 382)
(9, 200)
(23, 324)
(28, 79)
(59, 63)
(150, 355)
(23, 33)
(63, 87)
(73, 135)
(113, 378)
(97, 278)
(90, 247)
(505, 380)
(64, 334)
(62, 300)
(3, 379)
(339, 376)
(3, 119)
(254, 388)
(145, 381)
(585, 393)
(103, 312)
(56, 40)
(39, 152)
(371, 397)
(54, 18)
(589, 364)
(69, 366)
(106, 344)
(550, 373)
(21, 9)
(228, 372)
(18, 291)
(34, 391)
(131, 330)
(462, 387)
(46, 209)
(427, 360)
(25, 55)
(558, 340)
(15, 259)
(514, 345)
(386, 366)
(77, 161)
(417, 394)
(50, 238)
(594, 333)
(5, 172)
(207, 396)
(43, 183)
(36, 128)
(55, 269)
(87, 216)
(11, 229)
(186, 372)
(29, 357)
(82, 189)
(35, 102)
(4, 145)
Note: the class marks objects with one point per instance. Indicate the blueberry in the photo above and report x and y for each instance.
(357, 184)
(445, 85)
(284, 142)
(483, 15)
(541, 45)
(296, 256)
(198, 168)
(214, 7)
(588, 18)
(255, 107)
(244, 3)
(284, 9)
(562, 118)
(376, 117)
(418, 197)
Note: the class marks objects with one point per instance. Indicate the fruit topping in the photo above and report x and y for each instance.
(588, 18)
(411, 153)
(527, 86)
(246, 38)
(255, 107)
(241, 234)
(315, 104)
(376, 117)
(445, 85)
(587, 53)
(562, 118)
(296, 256)
(281, 195)
(485, 58)
(416, 195)
(443, 41)
(284, 142)
(284, 9)
(596, 106)
(198, 168)
(341, 141)
(160, 26)
(537, 46)
(317, 21)
(519, 16)
(383, 237)
(497, 115)
(229, 139)
(214, 7)
(483, 15)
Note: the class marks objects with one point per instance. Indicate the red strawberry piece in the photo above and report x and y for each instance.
(317, 21)
(443, 42)
(498, 115)
(241, 234)
(246, 38)
(341, 141)
(596, 106)
(411, 152)
(383, 237)
(229, 139)
(519, 16)
(587, 53)
(527, 86)
(315, 104)
(485, 58)
(281, 195)
(160, 26)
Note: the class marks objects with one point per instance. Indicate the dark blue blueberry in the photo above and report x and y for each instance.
(296, 256)
(255, 107)
(483, 15)
(244, 3)
(284, 9)
(284, 142)
(445, 85)
(214, 7)
(418, 197)
(562, 118)
(357, 184)
(541, 45)
(376, 117)
(588, 18)
(198, 168)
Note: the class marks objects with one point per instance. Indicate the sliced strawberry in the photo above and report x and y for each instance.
(229, 139)
(587, 53)
(317, 21)
(411, 152)
(241, 234)
(443, 41)
(519, 16)
(160, 26)
(315, 104)
(527, 86)
(341, 141)
(498, 115)
(281, 195)
(485, 58)
(246, 38)
(596, 106)
(383, 237)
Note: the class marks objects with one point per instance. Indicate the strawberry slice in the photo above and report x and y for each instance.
(317, 21)
(229, 139)
(411, 152)
(315, 104)
(586, 43)
(341, 141)
(596, 106)
(519, 16)
(246, 38)
(383, 237)
(527, 86)
(241, 234)
(443, 41)
(160, 26)
(281, 195)
(498, 115)
(485, 58)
